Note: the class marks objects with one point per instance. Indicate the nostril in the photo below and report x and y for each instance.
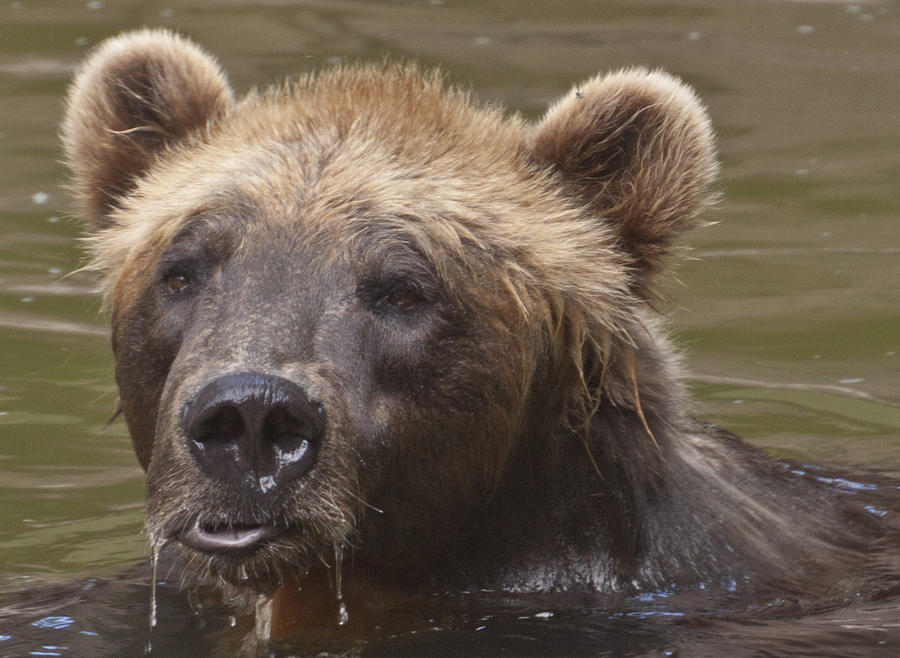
(291, 435)
(217, 435)
(224, 425)
(282, 428)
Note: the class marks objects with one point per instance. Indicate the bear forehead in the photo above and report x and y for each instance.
(337, 150)
(391, 139)
(381, 134)
(415, 114)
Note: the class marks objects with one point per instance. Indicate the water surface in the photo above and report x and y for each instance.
(789, 312)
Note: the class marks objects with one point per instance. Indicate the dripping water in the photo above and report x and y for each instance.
(343, 615)
(154, 562)
(263, 618)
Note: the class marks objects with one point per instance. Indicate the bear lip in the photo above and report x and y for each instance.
(241, 538)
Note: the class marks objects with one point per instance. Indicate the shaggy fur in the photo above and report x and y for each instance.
(619, 141)
(463, 295)
(156, 91)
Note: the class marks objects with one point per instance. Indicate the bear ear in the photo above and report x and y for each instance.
(637, 148)
(136, 95)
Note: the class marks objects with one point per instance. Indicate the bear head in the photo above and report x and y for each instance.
(349, 311)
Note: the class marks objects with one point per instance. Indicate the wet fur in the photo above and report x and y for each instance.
(532, 431)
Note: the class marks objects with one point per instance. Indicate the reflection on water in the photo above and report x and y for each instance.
(110, 617)
(789, 315)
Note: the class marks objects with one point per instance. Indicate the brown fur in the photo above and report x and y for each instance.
(526, 426)
(157, 88)
(637, 147)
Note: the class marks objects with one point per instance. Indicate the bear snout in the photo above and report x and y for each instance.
(253, 432)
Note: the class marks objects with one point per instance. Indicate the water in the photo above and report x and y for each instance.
(155, 547)
(789, 313)
(262, 617)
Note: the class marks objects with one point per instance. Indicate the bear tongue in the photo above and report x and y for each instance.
(236, 539)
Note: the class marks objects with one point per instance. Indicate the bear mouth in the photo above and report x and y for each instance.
(232, 540)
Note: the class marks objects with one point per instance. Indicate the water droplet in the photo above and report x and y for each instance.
(155, 546)
(339, 585)
(40, 198)
(263, 617)
(805, 29)
(242, 573)
(154, 561)
(232, 621)
(343, 615)
(95, 5)
(193, 599)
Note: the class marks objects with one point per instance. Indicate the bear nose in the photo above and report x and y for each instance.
(253, 431)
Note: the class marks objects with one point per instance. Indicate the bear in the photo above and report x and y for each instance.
(363, 318)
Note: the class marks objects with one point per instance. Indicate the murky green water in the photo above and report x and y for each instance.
(790, 314)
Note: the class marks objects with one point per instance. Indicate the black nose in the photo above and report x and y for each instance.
(253, 431)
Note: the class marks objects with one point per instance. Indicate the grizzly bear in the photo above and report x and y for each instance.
(364, 317)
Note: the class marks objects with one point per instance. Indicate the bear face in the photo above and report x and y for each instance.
(365, 314)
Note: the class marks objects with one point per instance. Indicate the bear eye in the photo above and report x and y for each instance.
(393, 294)
(177, 283)
(403, 299)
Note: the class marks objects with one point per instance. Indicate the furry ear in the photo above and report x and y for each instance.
(637, 148)
(136, 95)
